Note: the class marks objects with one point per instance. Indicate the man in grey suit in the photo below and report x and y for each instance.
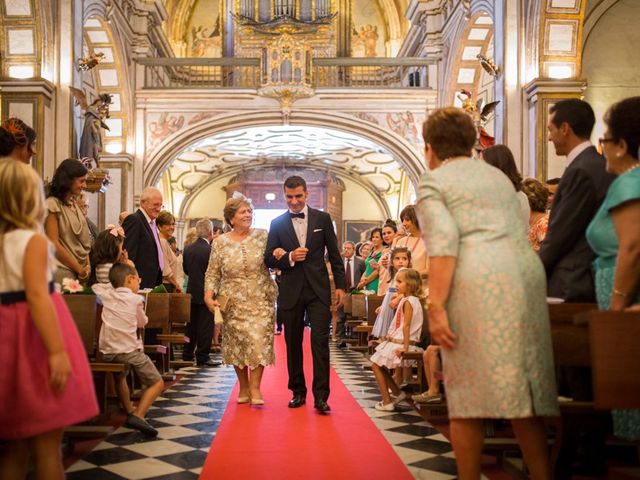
(354, 268)
(565, 253)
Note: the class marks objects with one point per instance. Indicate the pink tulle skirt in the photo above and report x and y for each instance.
(28, 406)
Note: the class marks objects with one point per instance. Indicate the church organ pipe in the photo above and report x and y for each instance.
(322, 8)
(264, 10)
(306, 10)
(247, 8)
(284, 8)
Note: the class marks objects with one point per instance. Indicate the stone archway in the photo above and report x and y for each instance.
(405, 153)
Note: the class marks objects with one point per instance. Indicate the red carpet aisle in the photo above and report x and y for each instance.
(284, 443)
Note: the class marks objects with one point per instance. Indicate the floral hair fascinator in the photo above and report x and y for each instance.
(15, 127)
(238, 196)
(115, 230)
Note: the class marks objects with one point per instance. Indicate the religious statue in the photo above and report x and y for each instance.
(94, 115)
(369, 36)
(87, 63)
(480, 115)
(203, 40)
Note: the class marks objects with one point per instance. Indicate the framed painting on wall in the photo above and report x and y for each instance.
(359, 230)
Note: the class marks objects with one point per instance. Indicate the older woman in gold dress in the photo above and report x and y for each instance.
(237, 272)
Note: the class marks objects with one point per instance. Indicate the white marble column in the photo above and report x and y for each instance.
(509, 52)
(63, 78)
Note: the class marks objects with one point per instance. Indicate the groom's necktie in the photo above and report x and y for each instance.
(348, 274)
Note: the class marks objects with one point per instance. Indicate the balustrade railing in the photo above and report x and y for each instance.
(174, 73)
(371, 72)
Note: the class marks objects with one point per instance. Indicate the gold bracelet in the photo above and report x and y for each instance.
(619, 293)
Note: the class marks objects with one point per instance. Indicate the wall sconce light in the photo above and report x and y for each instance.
(270, 197)
(114, 147)
(21, 71)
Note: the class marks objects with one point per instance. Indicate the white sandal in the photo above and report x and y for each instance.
(381, 407)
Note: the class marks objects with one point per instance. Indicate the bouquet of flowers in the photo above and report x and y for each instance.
(71, 286)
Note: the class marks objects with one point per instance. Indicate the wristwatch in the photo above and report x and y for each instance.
(432, 306)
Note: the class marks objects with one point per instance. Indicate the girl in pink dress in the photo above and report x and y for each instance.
(47, 383)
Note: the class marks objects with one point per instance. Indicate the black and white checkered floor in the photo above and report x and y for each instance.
(425, 451)
(188, 414)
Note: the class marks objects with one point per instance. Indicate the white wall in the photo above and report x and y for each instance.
(611, 59)
(357, 203)
(209, 202)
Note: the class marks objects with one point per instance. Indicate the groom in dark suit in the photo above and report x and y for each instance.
(296, 246)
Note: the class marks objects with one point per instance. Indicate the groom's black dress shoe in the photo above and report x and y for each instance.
(297, 401)
(322, 406)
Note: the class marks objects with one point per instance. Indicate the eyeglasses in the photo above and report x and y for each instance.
(604, 140)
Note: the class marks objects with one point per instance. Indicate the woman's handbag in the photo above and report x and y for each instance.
(217, 316)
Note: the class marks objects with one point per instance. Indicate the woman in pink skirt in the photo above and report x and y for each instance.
(47, 383)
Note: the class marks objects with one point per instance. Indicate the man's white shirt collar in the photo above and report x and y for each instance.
(145, 215)
(305, 210)
(577, 150)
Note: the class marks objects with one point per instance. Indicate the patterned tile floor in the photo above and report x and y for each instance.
(188, 414)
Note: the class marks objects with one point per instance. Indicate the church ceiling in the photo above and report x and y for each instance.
(321, 148)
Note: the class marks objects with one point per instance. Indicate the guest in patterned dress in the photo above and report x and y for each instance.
(237, 272)
(614, 234)
(487, 298)
(538, 196)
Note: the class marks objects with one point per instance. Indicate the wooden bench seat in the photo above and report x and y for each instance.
(86, 314)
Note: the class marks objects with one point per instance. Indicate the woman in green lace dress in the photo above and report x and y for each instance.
(614, 232)
(487, 298)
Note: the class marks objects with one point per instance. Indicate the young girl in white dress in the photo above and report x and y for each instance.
(400, 258)
(403, 336)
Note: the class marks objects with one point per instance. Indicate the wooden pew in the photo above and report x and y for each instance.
(86, 315)
(615, 357)
(157, 310)
(570, 339)
(373, 302)
(419, 383)
(179, 317)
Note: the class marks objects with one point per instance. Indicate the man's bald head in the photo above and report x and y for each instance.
(151, 202)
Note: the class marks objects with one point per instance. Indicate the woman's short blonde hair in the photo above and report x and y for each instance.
(232, 206)
(450, 132)
(21, 196)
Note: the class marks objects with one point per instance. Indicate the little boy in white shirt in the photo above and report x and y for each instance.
(122, 315)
